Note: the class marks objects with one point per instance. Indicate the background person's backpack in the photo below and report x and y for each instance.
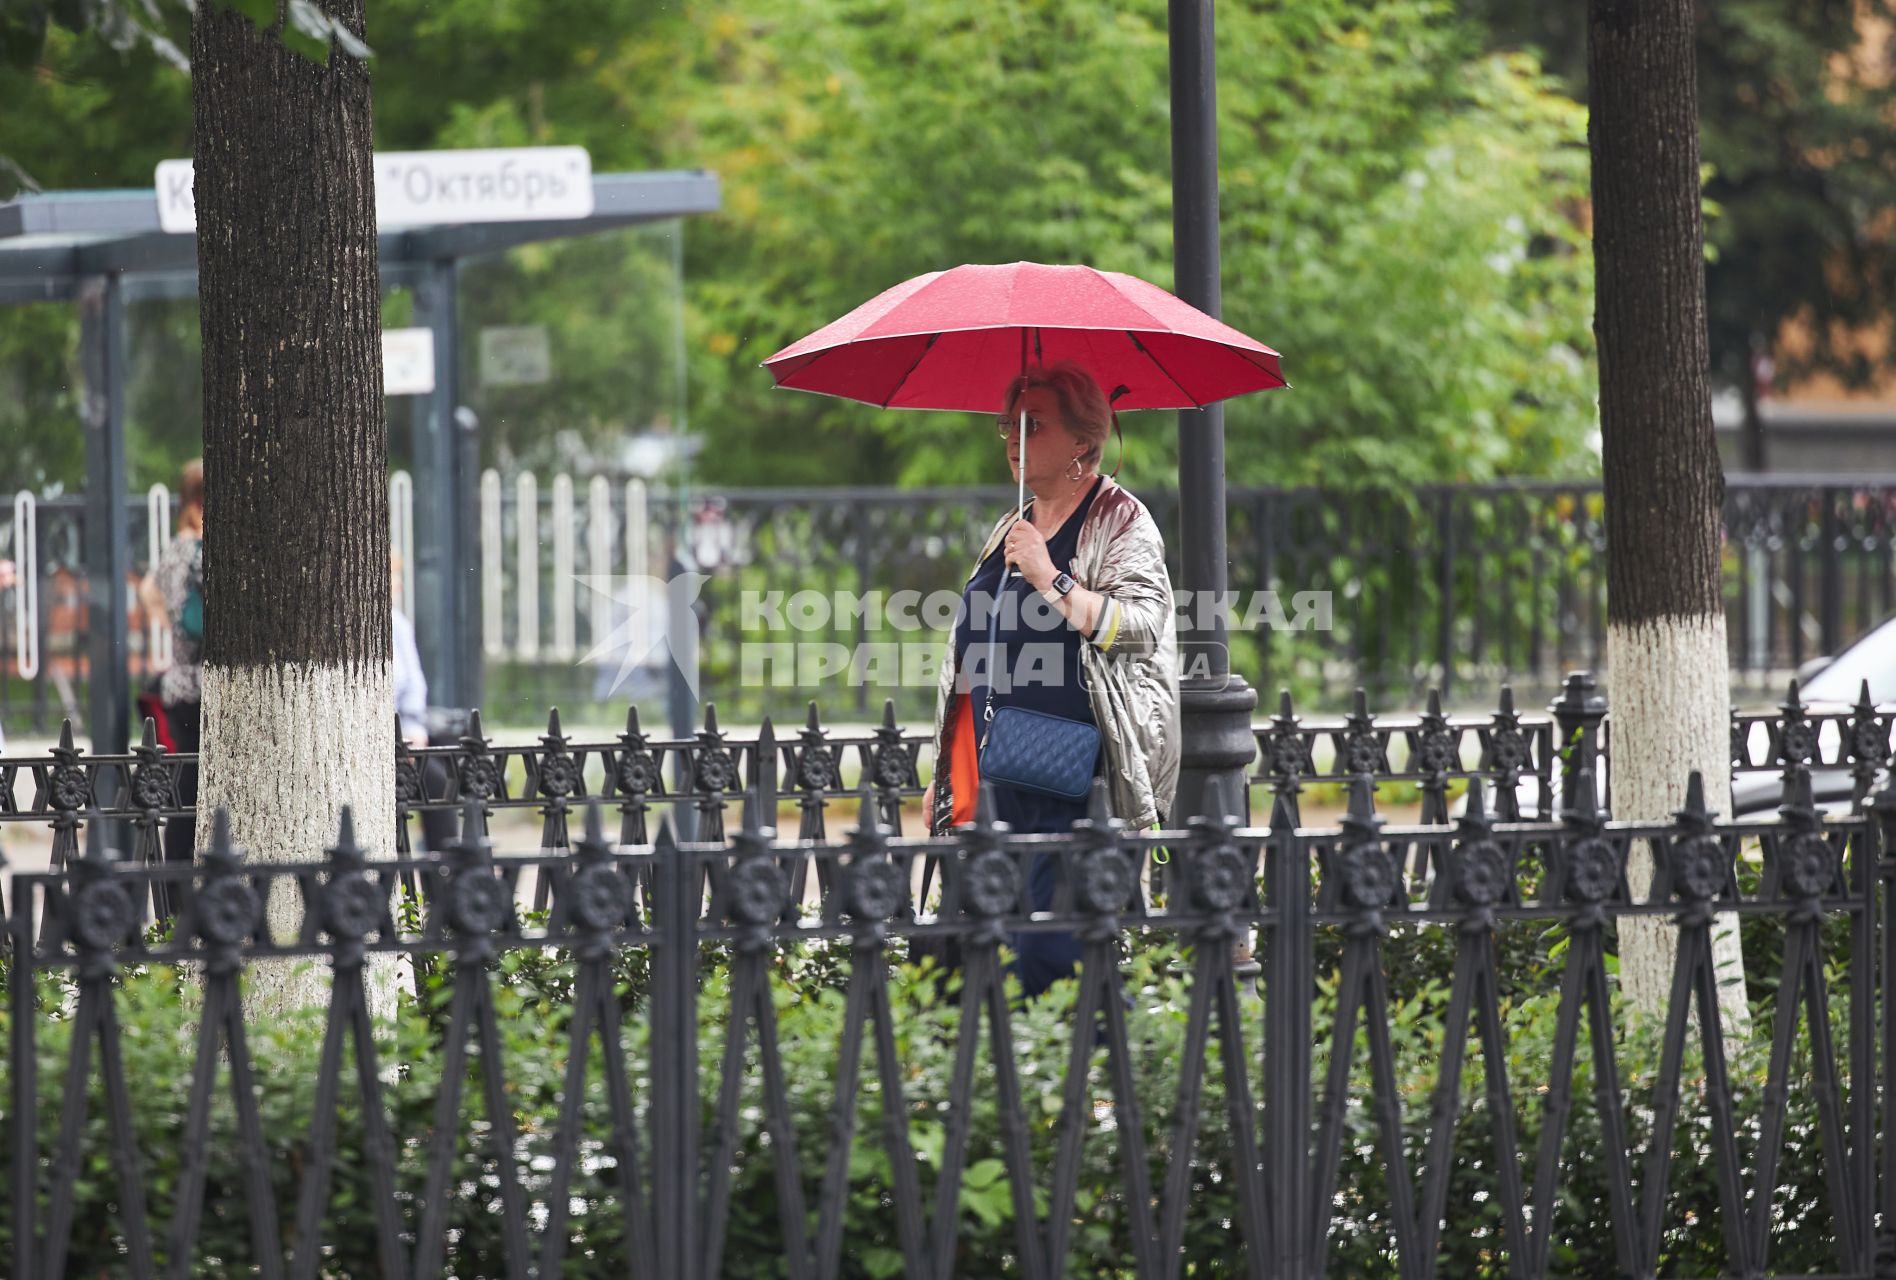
(191, 614)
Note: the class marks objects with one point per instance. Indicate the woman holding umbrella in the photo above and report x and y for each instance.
(1068, 606)
(1068, 614)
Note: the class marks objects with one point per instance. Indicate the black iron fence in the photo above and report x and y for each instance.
(1450, 587)
(1517, 755)
(665, 1072)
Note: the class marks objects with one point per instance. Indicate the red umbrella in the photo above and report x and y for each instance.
(955, 339)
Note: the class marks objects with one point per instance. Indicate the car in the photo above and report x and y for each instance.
(1827, 686)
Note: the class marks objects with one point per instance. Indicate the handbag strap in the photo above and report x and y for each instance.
(994, 623)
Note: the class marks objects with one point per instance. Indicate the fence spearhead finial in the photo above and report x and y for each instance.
(346, 852)
(1475, 808)
(1583, 803)
(1219, 809)
(65, 737)
(1693, 814)
(472, 820)
(1282, 820)
(223, 849)
(1798, 807)
(710, 729)
(474, 735)
(888, 713)
(97, 850)
(553, 723)
(149, 738)
(593, 844)
(814, 722)
(1361, 819)
(631, 720)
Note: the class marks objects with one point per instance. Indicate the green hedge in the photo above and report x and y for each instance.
(157, 1016)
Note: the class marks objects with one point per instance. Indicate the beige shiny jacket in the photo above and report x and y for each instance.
(1130, 665)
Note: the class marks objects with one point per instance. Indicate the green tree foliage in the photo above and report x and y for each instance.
(38, 389)
(1396, 219)
(1797, 135)
(1399, 209)
(92, 110)
(125, 26)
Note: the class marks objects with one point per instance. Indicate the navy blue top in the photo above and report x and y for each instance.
(1039, 652)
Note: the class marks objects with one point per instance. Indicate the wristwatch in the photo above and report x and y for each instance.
(1062, 584)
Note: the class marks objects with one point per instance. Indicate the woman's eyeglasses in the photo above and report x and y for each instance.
(1005, 427)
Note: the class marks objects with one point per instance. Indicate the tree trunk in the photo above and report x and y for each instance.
(1664, 485)
(298, 708)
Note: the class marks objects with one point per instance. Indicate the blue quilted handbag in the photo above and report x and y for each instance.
(1034, 751)
(1047, 754)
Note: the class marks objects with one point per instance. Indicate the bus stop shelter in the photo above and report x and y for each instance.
(99, 250)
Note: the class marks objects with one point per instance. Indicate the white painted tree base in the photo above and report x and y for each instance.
(1671, 713)
(284, 748)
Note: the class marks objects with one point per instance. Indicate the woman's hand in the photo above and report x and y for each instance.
(153, 599)
(1027, 552)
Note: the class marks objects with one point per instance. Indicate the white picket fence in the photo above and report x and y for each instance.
(542, 542)
(533, 555)
(26, 593)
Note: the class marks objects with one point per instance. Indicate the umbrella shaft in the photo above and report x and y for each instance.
(1020, 481)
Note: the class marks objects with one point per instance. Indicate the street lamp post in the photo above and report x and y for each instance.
(1215, 702)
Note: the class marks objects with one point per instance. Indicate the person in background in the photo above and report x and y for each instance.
(438, 826)
(411, 683)
(174, 593)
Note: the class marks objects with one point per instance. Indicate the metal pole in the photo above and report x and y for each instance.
(1579, 712)
(108, 527)
(465, 596)
(1884, 807)
(675, 1056)
(1215, 703)
(440, 618)
(25, 1070)
(1830, 571)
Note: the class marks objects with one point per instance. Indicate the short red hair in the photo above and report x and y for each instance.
(1084, 409)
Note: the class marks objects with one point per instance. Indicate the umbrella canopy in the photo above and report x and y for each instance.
(954, 340)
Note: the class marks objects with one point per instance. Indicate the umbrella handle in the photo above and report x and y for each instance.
(1020, 484)
(1020, 496)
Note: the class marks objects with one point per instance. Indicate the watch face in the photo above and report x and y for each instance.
(1063, 583)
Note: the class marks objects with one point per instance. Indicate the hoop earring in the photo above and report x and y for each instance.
(1075, 472)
